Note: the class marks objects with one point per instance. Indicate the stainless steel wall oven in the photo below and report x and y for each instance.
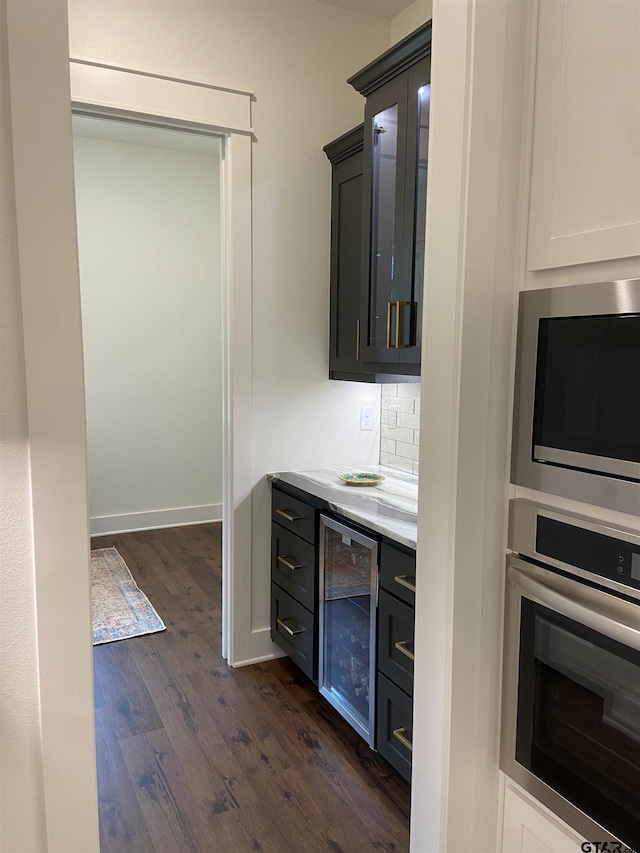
(576, 429)
(571, 692)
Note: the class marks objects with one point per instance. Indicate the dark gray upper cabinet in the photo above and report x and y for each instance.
(396, 133)
(345, 155)
(345, 361)
(396, 129)
(378, 207)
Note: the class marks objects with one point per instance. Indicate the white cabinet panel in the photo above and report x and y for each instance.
(530, 828)
(585, 180)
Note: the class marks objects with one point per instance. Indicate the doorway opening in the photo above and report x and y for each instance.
(149, 237)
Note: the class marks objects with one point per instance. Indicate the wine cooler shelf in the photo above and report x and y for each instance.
(349, 632)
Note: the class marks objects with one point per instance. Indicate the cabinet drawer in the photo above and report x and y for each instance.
(394, 728)
(398, 572)
(395, 641)
(293, 565)
(297, 516)
(294, 629)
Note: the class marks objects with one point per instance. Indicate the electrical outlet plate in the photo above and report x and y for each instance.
(393, 416)
(366, 417)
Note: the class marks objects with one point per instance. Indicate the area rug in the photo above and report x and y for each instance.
(120, 610)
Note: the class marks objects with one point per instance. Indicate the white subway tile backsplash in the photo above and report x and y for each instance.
(397, 462)
(396, 433)
(399, 445)
(408, 389)
(409, 421)
(407, 451)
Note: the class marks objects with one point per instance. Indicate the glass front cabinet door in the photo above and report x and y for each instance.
(396, 135)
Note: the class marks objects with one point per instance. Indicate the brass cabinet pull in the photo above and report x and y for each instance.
(289, 630)
(399, 309)
(405, 582)
(399, 735)
(292, 566)
(402, 647)
(286, 513)
(357, 340)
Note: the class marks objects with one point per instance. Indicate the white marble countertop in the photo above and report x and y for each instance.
(389, 508)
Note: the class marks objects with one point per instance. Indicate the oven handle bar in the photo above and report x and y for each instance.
(601, 611)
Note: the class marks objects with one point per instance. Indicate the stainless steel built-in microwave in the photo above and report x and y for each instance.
(576, 427)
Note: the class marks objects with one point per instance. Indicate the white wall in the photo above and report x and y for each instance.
(414, 16)
(22, 825)
(295, 56)
(48, 793)
(475, 161)
(149, 242)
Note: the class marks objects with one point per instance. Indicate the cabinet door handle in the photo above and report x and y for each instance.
(399, 307)
(289, 630)
(405, 582)
(389, 304)
(292, 566)
(402, 647)
(357, 340)
(286, 513)
(399, 735)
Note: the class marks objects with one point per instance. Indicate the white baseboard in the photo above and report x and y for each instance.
(257, 648)
(132, 522)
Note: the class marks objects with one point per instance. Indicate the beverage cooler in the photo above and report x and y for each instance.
(348, 605)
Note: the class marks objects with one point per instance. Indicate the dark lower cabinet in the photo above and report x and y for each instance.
(394, 729)
(395, 726)
(294, 578)
(295, 630)
(294, 566)
(395, 641)
(295, 573)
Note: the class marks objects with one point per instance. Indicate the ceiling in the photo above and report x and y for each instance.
(380, 8)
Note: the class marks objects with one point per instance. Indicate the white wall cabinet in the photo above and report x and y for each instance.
(585, 177)
(529, 827)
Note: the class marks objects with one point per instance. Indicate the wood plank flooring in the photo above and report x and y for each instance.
(196, 757)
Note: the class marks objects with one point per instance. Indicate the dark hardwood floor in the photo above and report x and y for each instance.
(194, 756)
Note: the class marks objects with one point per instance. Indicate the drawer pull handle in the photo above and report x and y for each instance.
(292, 566)
(403, 581)
(402, 647)
(286, 513)
(399, 735)
(289, 630)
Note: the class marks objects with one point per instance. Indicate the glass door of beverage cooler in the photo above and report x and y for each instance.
(348, 605)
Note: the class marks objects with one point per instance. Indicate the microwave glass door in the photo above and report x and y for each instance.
(578, 718)
(587, 394)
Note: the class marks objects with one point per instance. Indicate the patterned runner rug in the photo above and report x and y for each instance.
(120, 610)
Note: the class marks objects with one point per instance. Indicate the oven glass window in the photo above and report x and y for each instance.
(587, 397)
(578, 726)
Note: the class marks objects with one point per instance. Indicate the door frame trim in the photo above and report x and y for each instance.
(109, 91)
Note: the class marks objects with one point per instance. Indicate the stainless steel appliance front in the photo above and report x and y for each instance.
(571, 687)
(576, 426)
(347, 639)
